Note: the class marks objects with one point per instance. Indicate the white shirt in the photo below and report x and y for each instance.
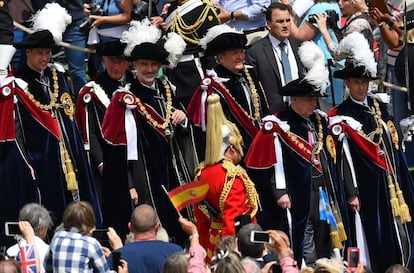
(292, 60)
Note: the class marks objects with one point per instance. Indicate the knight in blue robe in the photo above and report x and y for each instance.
(42, 156)
(375, 175)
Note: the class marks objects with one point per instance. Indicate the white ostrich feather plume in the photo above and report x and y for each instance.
(357, 48)
(215, 31)
(332, 265)
(175, 46)
(313, 60)
(139, 32)
(52, 17)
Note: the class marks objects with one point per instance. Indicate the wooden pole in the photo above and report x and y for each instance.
(64, 44)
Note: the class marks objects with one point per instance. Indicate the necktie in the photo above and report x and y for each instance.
(285, 63)
(311, 133)
(45, 84)
(246, 90)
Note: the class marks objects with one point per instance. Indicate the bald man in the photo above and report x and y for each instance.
(146, 253)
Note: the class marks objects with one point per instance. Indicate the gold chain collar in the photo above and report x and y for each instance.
(54, 96)
(378, 118)
(318, 147)
(255, 97)
(168, 110)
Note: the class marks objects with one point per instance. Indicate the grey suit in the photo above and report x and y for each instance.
(261, 56)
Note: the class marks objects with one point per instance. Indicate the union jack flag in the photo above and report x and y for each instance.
(27, 259)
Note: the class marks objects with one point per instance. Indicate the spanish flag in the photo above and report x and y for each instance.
(188, 194)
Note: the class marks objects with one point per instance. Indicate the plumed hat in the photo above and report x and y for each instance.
(48, 25)
(316, 76)
(221, 38)
(112, 48)
(361, 62)
(221, 133)
(144, 41)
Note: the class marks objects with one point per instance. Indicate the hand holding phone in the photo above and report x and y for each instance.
(353, 258)
(12, 228)
(257, 236)
(102, 236)
(116, 260)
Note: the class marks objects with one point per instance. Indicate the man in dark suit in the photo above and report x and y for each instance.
(267, 57)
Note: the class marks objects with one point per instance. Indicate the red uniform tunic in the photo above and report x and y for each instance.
(231, 193)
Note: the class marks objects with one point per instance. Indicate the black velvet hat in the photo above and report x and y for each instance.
(351, 71)
(149, 51)
(112, 49)
(226, 41)
(301, 88)
(221, 38)
(38, 39)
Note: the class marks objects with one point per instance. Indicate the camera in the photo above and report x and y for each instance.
(139, 11)
(95, 10)
(331, 18)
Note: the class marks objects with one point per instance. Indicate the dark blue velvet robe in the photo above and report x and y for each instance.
(41, 151)
(155, 165)
(372, 189)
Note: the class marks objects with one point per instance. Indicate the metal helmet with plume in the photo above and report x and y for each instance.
(356, 46)
(313, 60)
(52, 17)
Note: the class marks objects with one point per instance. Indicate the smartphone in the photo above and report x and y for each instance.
(257, 236)
(353, 258)
(12, 228)
(101, 235)
(116, 257)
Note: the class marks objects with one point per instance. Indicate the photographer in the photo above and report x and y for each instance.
(140, 10)
(309, 30)
(39, 219)
(273, 257)
(355, 21)
(107, 19)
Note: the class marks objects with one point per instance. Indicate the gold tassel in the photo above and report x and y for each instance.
(335, 239)
(404, 211)
(70, 176)
(393, 198)
(341, 228)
